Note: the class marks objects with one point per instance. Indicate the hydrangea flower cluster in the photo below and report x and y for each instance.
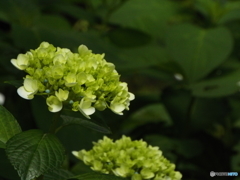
(84, 80)
(127, 158)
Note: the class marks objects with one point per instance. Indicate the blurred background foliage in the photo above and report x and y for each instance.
(181, 58)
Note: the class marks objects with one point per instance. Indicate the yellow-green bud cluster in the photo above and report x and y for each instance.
(84, 80)
(127, 158)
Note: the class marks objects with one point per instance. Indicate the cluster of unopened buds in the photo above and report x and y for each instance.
(129, 159)
(84, 81)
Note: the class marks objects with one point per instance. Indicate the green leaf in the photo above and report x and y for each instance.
(71, 9)
(141, 57)
(217, 87)
(209, 9)
(22, 12)
(185, 147)
(148, 16)
(97, 176)
(231, 13)
(7, 171)
(188, 148)
(58, 174)
(76, 137)
(24, 37)
(198, 51)
(80, 168)
(41, 113)
(126, 37)
(166, 144)
(9, 126)
(33, 153)
(152, 113)
(2, 145)
(207, 111)
(230, 16)
(16, 83)
(53, 21)
(86, 123)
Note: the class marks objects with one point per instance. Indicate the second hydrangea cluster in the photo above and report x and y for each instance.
(83, 80)
(127, 158)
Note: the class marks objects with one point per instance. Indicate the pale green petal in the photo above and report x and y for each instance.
(97, 165)
(59, 60)
(54, 105)
(44, 44)
(117, 108)
(83, 50)
(75, 153)
(62, 95)
(31, 85)
(147, 173)
(85, 103)
(70, 80)
(24, 94)
(85, 107)
(136, 177)
(100, 105)
(14, 62)
(81, 78)
(89, 111)
(122, 171)
(131, 96)
(21, 62)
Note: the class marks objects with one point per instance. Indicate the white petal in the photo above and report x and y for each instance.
(44, 44)
(87, 112)
(117, 107)
(85, 103)
(22, 60)
(124, 85)
(119, 113)
(55, 107)
(30, 85)
(62, 95)
(2, 99)
(14, 62)
(75, 153)
(131, 97)
(24, 94)
(83, 50)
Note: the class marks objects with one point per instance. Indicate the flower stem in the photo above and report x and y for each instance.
(53, 126)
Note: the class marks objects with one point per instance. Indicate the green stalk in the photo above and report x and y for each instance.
(55, 120)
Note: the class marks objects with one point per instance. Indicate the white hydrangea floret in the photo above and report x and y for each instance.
(54, 104)
(70, 80)
(62, 95)
(117, 107)
(21, 62)
(85, 107)
(29, 88)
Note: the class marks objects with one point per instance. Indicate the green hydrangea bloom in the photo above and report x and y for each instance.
(84, 81)
(127, 158)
